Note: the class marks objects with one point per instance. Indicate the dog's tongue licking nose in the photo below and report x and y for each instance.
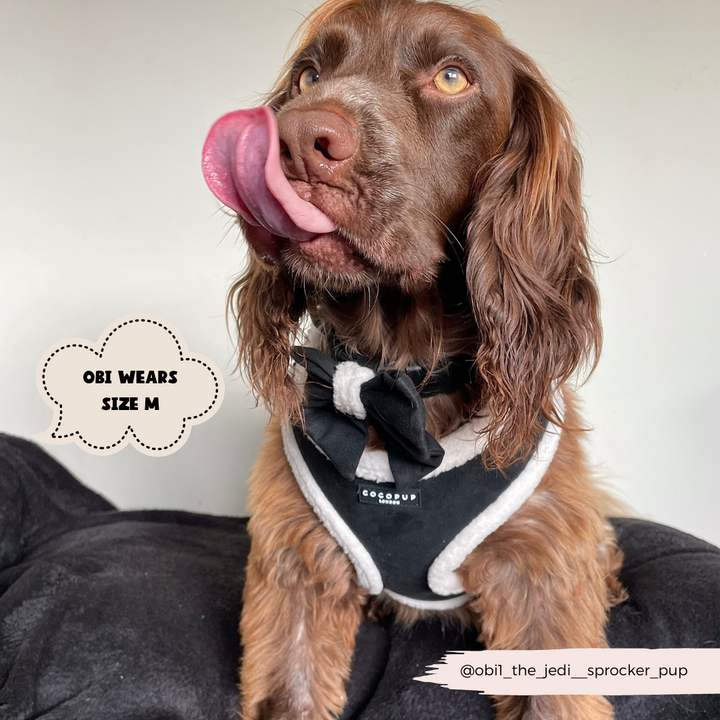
(241, 165)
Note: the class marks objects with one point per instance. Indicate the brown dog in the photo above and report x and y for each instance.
(446, 186)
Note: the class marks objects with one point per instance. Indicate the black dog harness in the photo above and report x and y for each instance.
(405, 528)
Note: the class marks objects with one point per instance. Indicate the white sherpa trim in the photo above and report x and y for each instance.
(448, 604)
(367, 572)
(460, 446)
(348, 378)
(442, 578)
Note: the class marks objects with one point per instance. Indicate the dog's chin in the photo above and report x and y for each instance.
(328, 262)
(331, 261)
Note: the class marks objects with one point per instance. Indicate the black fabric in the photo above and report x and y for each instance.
(403, 541)
(393, 407)
(108, 615)
(448, 378)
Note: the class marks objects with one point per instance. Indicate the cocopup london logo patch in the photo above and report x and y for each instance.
(138, 384)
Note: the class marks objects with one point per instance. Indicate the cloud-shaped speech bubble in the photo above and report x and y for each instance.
(138, 385)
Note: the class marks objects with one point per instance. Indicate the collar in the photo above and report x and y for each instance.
(446, 378)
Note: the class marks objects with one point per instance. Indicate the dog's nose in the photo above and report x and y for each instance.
(316, 144)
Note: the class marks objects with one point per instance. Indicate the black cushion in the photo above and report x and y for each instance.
(133, 615)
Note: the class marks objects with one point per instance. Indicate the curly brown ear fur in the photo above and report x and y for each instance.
(529, 271)
(266, 309)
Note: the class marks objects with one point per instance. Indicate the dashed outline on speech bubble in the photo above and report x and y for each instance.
(130, 434)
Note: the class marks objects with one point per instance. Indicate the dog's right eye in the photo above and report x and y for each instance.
(307, 77)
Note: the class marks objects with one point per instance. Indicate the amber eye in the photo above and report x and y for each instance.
(451, 81)
(307, 77)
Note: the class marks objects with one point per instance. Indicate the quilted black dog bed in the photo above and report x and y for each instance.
(108, 615)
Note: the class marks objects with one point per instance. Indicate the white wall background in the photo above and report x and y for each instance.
(104, 106)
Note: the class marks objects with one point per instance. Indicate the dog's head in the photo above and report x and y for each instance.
(447, 166)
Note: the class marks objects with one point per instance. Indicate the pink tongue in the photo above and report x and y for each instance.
(241, 165)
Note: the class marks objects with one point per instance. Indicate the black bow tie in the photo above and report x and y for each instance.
(341, 396)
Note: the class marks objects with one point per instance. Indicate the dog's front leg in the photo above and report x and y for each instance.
(298, 641)
(544, 580)
(301, 605)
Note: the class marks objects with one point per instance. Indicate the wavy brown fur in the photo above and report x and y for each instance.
(267, 308)
(529, 267)
(460, 230)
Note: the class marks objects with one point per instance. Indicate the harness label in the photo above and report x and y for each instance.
(378, 495)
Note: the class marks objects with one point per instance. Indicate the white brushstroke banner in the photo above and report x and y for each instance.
(614, 671)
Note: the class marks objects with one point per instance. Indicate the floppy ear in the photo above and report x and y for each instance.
(529, 271)
(263, 302)
(266, 309)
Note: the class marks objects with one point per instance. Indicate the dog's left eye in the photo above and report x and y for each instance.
(451, 80)
(307, 77)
